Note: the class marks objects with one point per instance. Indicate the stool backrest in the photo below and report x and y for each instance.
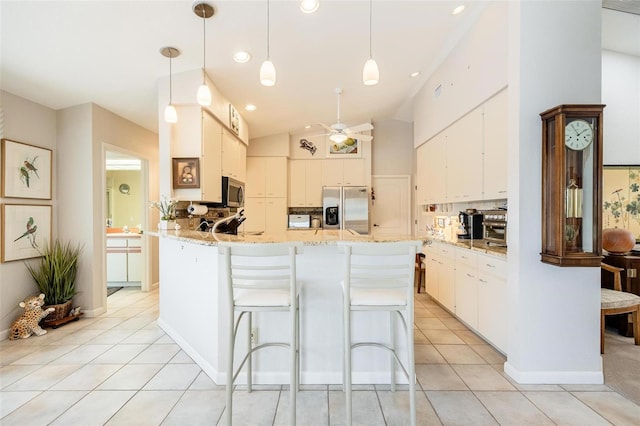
(380, 265)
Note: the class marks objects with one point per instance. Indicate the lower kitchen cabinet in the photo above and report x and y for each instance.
(265, 215)
(466, 283)
(124, 260)
(446, 278)
(492, 300)
(116, 266)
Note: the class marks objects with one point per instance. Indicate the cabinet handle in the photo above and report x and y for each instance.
(490, 265)
(482, 281)
(464, 257)
(470, 276)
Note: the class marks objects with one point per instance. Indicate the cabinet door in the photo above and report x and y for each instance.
(314, 183)
(134, 267)
(241, 162)
(297, 183)
(464, 150)
(446, 283)
(275, 215)
(276, 176)
(255, 212)
(229, 155)
(495, 147)
(422, 173)
(492, 301)
(436, 174)
(255, 185)
(116, 266)
(332, 172)
(211, 167)
(353, 173)
(467, 294)
(431, 274)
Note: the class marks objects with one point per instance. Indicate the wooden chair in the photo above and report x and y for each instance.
(419, 270)
(616, 301)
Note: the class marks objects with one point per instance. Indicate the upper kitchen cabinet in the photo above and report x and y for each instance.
(266, 177)
(432, 171)
(198, 134)
(495, 147)
(305, 183)
(341, 172)
(464, 158)
(234, 157)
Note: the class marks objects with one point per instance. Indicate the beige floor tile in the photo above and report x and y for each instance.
(430, 324)
(612, 406)
(94, 409)
(419, 338)
(460, 408)
(120, 354)
(489, 354)
(197, 408)
(44, 354)
(87, 377)
(482, 377)
(181, 358)
(164, 339)
(442, 337)
(43, 409)
(365, 408)
(43, 378)
(512, 408)
(82, 354)
(13, 400)
(439, 377)
(105, 323)
(427, 354)
(255, 408)
(80, 337)
(131, 377)
(146, 407)
(312, 408)
(144, 336)
(459, 354)
(396, 406)
(564, 409)
(13, 353)
(174, 377)
(157, 354)
(587, 388)
(420, 312)
(11, 373)
(469, 337)
(204, 382)
(111, 337)
(453, 324)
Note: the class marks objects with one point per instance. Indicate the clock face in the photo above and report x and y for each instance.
(578, 134)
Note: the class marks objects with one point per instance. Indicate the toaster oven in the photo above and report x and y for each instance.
(494, 227)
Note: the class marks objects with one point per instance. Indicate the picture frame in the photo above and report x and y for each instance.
(26, 231)
(351, 148)
(234, 119)
(186, 172)
(26, 170)
(621, 198)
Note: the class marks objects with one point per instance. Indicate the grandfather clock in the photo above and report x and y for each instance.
(572, 185)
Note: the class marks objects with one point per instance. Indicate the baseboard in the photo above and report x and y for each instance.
(554, 377)
(4, 334)
(92, 313)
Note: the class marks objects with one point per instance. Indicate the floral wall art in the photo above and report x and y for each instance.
(26, 170)
(621, 198)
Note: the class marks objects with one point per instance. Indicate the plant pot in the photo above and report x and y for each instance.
(167, 224)
(617, 240)
(61, 311)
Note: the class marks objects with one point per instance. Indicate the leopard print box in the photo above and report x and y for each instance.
(27, 323)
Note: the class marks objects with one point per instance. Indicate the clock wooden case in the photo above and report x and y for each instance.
(572, 185)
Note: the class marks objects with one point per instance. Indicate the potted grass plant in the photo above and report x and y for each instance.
(55, 275)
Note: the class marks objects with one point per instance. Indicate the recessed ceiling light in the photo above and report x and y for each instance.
(241, 56)
(308, 126)
(414, 74)
(250, 107)
(458, 9)
(309, 6)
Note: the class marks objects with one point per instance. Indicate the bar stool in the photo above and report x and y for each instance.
(380, 277)
(261, 278)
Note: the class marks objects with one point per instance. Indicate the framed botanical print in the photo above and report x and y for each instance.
(26, 170)
(26, 230)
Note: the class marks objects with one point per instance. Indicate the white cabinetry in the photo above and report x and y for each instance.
(464, 159)
(275, 215)
(495, 147)
(124, 259)
(432, 171)
(466, 282)
(234, 154)
(266, 189)
(255, 211)
(440, 274)
(211, 167)
(305, 183)
(431, 269)
(492, 300)
(341, 172)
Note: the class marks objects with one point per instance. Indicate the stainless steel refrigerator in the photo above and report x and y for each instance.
(346, 207)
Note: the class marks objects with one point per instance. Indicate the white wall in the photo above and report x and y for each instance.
(269, 146)
(392, 148)
(28, 122)
(621, 94)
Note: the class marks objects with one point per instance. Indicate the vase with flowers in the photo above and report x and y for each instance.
(167, 208)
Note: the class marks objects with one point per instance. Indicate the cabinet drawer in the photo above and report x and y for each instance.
(117, 242)
(446, 250)
(431, 248)
(135, 242)
(492, 265)
(466, 257)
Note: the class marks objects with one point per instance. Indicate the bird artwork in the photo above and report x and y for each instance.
(30, 233)
(28, 169)
(30, 166)
(24, 176)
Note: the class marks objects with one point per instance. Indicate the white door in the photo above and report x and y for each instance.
(390, 210)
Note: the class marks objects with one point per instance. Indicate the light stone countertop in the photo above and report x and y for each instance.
(474, 245)
(311, 237)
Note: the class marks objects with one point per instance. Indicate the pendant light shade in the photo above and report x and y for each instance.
(370, 72)
(170, 114)
(267, 73)
(338, 137)
(205, 11)
(268, 70)
(309, 6)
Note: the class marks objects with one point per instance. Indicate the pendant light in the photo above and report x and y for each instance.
(370, 73)
(309, 6)
(267, 70)
(170, 114)
(204, 11)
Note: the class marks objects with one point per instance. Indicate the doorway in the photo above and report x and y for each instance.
(391, 208)
(125, 218)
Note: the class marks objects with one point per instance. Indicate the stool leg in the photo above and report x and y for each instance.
(293, 344)
(249, 364)
(636, 325)
(392, 345)
(601, 332)
(411, 369)
(230, 349)
(347, 359)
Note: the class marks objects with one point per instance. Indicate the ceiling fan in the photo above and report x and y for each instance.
(340, 133)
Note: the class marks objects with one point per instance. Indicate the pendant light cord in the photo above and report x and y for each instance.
(204, 43)
(370, 19)
(268, 20)
(170, 85)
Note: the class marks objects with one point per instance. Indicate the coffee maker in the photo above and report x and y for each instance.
(470, 225)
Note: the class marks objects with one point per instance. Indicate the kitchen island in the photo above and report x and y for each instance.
(194, 313)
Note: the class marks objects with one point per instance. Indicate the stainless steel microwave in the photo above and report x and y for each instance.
(232, 192)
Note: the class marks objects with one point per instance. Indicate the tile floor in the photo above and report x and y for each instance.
(121, 369)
